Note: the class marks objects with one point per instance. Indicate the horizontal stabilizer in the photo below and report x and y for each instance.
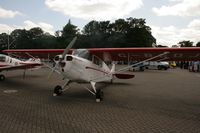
(124, 76)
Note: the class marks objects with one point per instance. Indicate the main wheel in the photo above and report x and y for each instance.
(2, 78)
(57, 90)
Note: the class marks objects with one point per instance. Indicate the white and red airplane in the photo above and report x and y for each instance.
(8, 63)
(89, 65)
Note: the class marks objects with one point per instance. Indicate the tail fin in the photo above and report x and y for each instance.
(120, 75)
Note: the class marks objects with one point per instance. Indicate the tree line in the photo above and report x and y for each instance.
(130, 32)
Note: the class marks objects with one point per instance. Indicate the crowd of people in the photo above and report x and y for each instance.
(193, 66)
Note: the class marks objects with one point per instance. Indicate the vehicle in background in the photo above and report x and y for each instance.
(139, 67)
(172, 64)
(153, 65)
(156, 65)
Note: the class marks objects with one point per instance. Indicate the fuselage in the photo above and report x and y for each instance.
(7, 61)
(79, 69)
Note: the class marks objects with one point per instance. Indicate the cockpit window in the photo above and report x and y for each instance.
(69, 58)
(2, 58)
(83, 53)
(97, 61)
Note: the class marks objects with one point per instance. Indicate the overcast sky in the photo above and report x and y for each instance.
(171, 21)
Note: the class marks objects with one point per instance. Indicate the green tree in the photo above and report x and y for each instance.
(105, 27)
(186, 44)
(139, 35)
(198, 44)
(131, 32)
(120, 26)
(3, 41)
(92, 28)
(69, 30)
(22, 38)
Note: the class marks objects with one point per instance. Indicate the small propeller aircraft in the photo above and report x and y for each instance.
(89, 65)
(9, 63)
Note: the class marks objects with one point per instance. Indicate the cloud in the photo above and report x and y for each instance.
(171, 35)
(4, 28)
(27, 25)
(8, 13)
(94, 9)
(179, 8)
(195, 24)
(45, 27)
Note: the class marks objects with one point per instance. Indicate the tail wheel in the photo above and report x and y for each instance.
(58, 90)
(2, 78)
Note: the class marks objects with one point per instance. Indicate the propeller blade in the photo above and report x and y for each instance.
(69, 46)
(53, 69)
(50, 74)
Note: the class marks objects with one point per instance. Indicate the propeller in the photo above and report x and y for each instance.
(69, 46)
(61, 57)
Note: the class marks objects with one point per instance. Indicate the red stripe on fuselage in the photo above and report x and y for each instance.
(30, 63)
(3, 65)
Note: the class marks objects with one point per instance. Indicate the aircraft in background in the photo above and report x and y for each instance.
(8, 63)
(89, 65)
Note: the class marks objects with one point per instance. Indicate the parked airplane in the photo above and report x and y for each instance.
(89, 65)
(9, 63)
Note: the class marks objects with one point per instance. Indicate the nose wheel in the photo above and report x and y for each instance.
(57, 90)
(2, 78)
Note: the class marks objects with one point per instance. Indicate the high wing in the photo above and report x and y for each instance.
(123, 54)
(41, 53)
(140, 54)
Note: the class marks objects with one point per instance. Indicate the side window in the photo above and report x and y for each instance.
(97, 61)
(69, 58)
(2, 58)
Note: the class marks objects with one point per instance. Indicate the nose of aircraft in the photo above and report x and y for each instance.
(62, 64)
(65, 64)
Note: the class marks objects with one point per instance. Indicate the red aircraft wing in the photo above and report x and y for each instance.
(122, 54)
(23, 66)
(41, 53)
(140, 54)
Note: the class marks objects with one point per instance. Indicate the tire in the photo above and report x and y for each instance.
(2, 78)
(58, 90)
(160, 67)
(141, 69)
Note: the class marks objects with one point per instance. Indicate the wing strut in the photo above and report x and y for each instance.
(128, 67)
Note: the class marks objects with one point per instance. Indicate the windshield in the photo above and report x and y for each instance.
(83, 53)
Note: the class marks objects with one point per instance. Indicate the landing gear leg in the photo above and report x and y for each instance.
(97, 92)
(2, 77)
(99, 95)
